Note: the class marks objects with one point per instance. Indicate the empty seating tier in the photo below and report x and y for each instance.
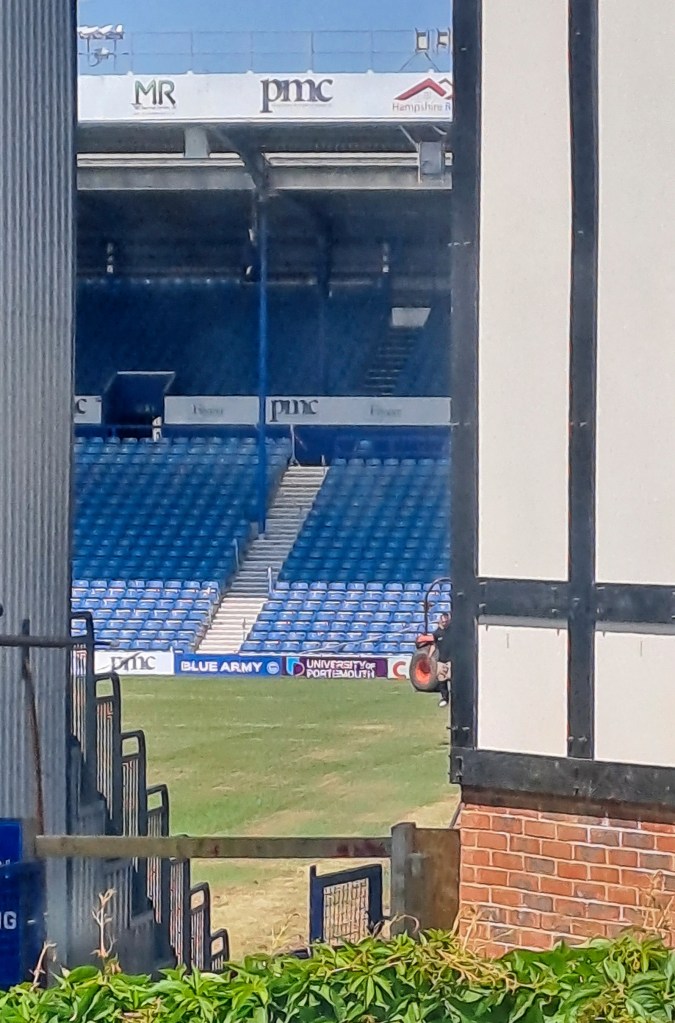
(377, 536)
(157, 531)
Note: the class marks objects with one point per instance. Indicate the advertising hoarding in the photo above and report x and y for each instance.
(251, 98)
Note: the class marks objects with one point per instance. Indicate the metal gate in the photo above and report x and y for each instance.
(345, 906)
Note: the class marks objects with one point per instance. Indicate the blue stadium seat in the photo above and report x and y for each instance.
(369, 548)
(154, 529)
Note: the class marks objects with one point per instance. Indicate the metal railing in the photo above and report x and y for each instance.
(82, 703)
(200, 926)
(220, 950)
(173, 53)
(109, 749)
(180, 932)
(108, 792)
(135, 807)
(159, 870)
(345, 905)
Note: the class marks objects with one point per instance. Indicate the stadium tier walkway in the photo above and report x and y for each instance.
(250, 588)
(384, 372)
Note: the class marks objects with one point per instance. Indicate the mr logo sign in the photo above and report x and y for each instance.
(294, 91)
(157, 94)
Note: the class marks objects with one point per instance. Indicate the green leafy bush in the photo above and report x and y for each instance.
(399, 981)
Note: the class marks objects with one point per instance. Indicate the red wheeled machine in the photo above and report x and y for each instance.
(424, 662)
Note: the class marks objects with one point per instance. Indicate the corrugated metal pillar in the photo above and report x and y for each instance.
(37, 251)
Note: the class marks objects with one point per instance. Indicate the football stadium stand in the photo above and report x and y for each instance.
(157, 532)
(262, 562)
(142, 324)
(163, 526)
(375, 538)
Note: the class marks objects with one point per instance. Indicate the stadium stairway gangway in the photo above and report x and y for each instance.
(390, 356)
(157, 918)
(250, 589)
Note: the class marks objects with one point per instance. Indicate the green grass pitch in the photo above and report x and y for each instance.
(285, 756)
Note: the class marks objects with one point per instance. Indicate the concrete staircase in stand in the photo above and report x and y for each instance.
(245, 599)
(389, 359)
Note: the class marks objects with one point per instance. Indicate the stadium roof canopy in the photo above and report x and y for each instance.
(314, 156)
(205, 232)
(358, 184)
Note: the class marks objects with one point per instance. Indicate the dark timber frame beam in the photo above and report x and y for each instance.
(583, 78)
(464, 367)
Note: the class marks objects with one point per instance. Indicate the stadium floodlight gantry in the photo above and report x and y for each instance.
(111, 50)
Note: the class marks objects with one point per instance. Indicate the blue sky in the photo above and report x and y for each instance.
(264, 15)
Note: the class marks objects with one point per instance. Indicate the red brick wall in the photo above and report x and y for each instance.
(531, 877)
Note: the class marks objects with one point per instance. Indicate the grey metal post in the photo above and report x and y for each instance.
(37, 182)
(263, 321)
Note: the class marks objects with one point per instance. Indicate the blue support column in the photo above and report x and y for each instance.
(262, 365)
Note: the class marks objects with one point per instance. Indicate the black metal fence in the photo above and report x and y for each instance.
(108, 708)
(345, 906)
(180, 931)
(109, 789)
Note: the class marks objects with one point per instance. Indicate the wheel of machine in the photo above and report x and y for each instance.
(424, 669)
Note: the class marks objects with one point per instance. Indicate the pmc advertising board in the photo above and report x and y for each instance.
(254, 98)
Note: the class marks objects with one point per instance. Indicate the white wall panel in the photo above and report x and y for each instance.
(636, 320)
(635, 698)
(522, 689)
(524, 290)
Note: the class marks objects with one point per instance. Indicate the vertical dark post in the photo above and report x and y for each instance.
(262, 362)
(464, 275)
(375, 911)
(324, 276)
(315, 907)
(322, 374)
(583, 76)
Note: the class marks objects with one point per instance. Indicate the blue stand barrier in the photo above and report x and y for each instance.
(22, 905)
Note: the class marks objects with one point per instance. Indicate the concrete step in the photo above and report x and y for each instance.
(247, 595)
(388, 361)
